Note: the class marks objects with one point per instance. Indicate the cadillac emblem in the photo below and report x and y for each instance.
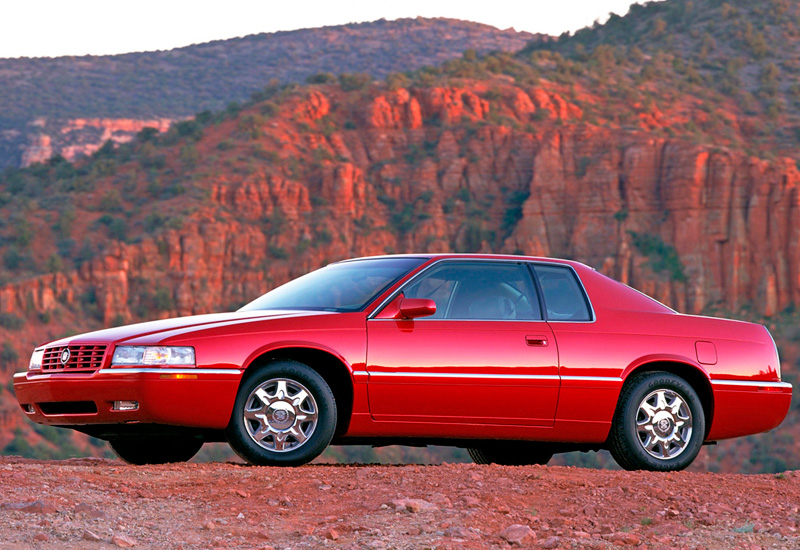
(65, 356)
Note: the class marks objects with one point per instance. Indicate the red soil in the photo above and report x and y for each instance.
(97, 503)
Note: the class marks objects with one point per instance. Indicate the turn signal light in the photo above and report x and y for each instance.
(178, 376)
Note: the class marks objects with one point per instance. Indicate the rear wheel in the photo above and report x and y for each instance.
(156, 449)
(659, 424)
(508, 453)
(284, 415)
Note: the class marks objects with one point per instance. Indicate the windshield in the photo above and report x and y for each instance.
(346, 286)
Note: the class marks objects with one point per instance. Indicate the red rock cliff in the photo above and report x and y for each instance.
(394, 184)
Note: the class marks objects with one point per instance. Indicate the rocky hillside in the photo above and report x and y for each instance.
(44, 99)
(535, 153)
(743, 53)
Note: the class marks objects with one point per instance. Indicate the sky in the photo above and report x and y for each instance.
(49, 28)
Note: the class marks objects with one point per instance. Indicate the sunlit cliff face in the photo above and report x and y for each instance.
(74, 139)
(497, 167)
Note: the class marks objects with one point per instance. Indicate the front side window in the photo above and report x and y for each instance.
(345, 286)
(563, 296)
(479, 291)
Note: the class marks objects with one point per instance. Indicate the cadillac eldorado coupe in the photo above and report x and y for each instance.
(514, 358)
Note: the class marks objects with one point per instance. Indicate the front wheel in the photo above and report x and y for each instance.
(507, 453)
(659, 424)
(284, 415)
(156, 449)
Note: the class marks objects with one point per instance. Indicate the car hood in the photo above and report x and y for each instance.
(138, 330)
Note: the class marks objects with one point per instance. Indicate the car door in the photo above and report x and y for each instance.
(485, 357)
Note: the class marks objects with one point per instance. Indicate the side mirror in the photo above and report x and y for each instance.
(411, 308)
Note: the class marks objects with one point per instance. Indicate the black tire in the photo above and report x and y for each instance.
(268, 440)
(156, 449)
(508, 453)
(628, 441)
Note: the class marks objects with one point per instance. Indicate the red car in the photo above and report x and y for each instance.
(514, 358)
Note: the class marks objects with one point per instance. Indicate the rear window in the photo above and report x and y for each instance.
(564, 298)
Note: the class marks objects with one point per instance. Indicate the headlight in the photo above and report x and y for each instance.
(36, 360)
(153, 355)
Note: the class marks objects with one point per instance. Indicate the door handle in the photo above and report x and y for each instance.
(536, 340)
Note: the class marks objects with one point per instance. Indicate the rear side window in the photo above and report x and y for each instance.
(564, 298)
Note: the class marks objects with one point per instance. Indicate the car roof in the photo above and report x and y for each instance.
(459, 255)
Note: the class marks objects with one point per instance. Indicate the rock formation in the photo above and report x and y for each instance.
(582, 192)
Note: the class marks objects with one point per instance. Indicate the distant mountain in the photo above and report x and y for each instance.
(42, 96)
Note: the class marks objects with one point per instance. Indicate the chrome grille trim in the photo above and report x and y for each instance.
(82, 358)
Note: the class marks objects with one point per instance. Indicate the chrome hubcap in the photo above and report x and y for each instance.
(664, 424)
(280, 415)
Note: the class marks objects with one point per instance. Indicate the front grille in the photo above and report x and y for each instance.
(81, 358)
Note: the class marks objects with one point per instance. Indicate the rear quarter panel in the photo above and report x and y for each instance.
(632, 332)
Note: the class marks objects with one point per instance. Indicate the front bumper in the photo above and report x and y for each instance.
(165, 396)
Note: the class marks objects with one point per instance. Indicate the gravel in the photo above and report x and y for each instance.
(104, 504)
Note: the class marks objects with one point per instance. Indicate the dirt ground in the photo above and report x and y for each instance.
(99, 503)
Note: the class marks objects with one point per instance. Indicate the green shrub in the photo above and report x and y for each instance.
(513, 213)
(189, 128)
(354, 81)
(111, 201)
(12, 258)
(321, 78)
(474, 236)
(54, 264)
(154, 221)
(233, 108)
(23, 232)
(582, 165)
(8, 355)
(18, 446)
(118, 229)
(278, 252)
(189, 155)
(150, 159)
(662, 258)
(147, 134)
(268, 108)
(395, 81)
(63, 227)
(11, 321)
(163, 300)
(770, 79)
